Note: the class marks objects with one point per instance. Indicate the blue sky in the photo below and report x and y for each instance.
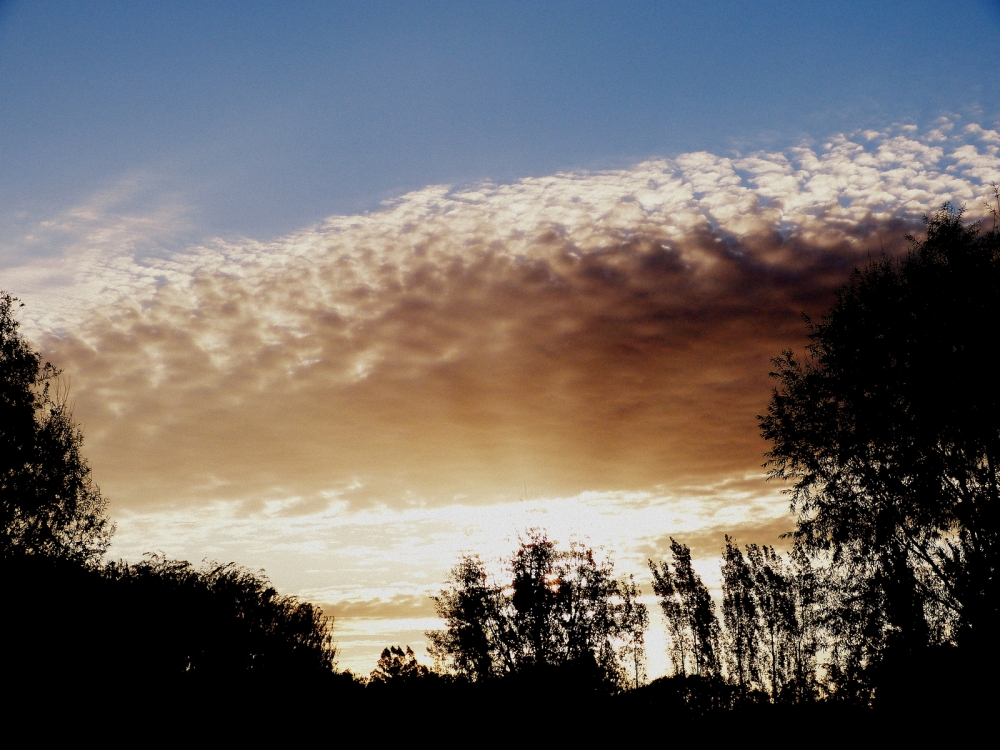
(267, 116)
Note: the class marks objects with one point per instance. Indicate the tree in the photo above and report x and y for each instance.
(775, 615)
(563, 609)
(634, 622)
(808, 596)
(689, 612)
(588, 612)
(220, 620)
(48, 503)
(889, 432)
(535, 588)
(479, 640)
(160, 623)
(398, 667)
(739, 616)
(772, 614)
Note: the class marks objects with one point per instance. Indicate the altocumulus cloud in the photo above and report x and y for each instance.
(593, 331)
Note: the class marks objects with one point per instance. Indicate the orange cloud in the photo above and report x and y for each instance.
(637, 364)
(605, 331)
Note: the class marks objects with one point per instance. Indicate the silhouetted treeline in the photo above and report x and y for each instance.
(887, 432)
(159, 620)
(560, 608)
(77, 627)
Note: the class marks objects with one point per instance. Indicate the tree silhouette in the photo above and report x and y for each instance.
(772, 611)
(739, 616)
(398, 667)
(535, 598)
(160, 621)
(563, 609)
(889, 432)
(634, 622)
(221, 621)
(806, 640)
(479, 640)
(689, 612)
(48, 503)
(775, 615)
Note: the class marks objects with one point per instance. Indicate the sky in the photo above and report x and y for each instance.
(343, 291)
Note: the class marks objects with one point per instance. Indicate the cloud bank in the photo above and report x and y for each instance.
(591, 331)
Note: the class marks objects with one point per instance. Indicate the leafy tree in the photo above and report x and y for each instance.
(634, 622)
(48, 502)
(772, 610)
(739, 616)
(479, 640)
(562, 609)
(588, 611)
(889, 431)
(398, 667)
(222, 620)
(775, 615)
(160, 623)
(689, 612)
(808, 593)
(535, 598)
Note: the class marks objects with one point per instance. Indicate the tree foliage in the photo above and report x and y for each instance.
(889, 431)
(159, 623)
(225, 619)
(479, 640)
(48, 503)
(739, 617)
(397, 667)
(689, 611)
(772, 610)
(634, 621)
(561, 609)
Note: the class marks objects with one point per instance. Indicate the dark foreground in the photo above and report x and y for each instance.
(149, 655)
(339, 709)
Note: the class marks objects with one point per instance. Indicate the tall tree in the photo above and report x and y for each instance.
(48, 503)
(889, 431)
(634, 623)
(775, 615)
(536, 586)
(589, 610)
(739, 615)
(689, 612)
(808, 596)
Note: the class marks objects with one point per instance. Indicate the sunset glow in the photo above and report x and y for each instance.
(353, 403)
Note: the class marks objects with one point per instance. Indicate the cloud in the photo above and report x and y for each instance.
(591, 331)
(708, 542)
(403, 607)
(375, 569)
